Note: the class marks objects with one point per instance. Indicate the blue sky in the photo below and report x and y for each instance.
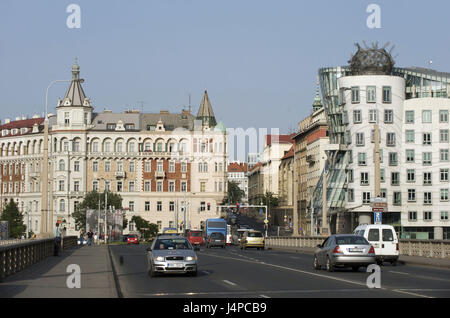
(258, 59)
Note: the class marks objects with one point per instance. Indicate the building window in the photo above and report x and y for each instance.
(427, 198)
(132, 166)
(171, 206)
(202, 206)
(412, 215)
(350, 195)
(366, 197)
(395, 178)
(388, 116)
(350, 156)
(426, 116)
(409, 116)
(119, 166)
(444, 195)
(444, 215)
(107, 147)
(410, 175)
(427, 159)
(131, 206)
(147, 206)
(107, 166)
(62, 205)
(443, 116)
(159, 166)
(355, 94)
(202, 186)
(172, 166)
(119, 186)
(350, 175)
(95, 166)
(147, 166)
(427, 178)
(147, 186)
(159, 206)
(373, 118)
(387, 98)
(397, 198)
(95, 186)
(390, 139)
(427, 215)
(444, 175)
(76, 166)
(357, 118)
(444, 154)
(159, 186)
(409, 136)
(371, 94)
(183, 186)
(62, 165)
(443, 135)
(393, 159)
(183, 167)
(411, 195)
(364, 178)
(131, 186)
(360, 139)
(410, 155)
(107, 185)
(382, 179)
(362, 159)
(95, 146)
(171, 186)
(76, 186)
(427, 138)
(61, 185)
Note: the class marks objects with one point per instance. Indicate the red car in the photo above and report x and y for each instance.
(132, 239)
(195, 238)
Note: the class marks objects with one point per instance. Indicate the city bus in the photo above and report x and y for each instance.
(215, 225)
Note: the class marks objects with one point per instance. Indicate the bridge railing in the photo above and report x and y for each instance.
(424, 248)
(15, 257)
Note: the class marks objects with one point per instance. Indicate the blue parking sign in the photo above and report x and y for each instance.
(377, 217)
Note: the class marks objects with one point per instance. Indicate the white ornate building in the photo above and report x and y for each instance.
(154, 161)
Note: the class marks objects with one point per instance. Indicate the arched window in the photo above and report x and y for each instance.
(62, 165)
(62, 205)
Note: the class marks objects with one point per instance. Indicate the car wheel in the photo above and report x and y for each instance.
(151, 272)
(316, 263)
(193, 274)
(355, 268)
(330, 267)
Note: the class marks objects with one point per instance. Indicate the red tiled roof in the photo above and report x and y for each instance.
(289, 154)
(236, 167)
(25, 123)
(282, 139)
(257, 165)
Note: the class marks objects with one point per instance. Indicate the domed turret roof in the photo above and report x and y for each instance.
(371, 61)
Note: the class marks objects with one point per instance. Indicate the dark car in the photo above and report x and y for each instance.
(216, 239)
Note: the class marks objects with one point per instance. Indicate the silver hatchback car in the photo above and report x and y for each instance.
(171, 255)
(345, 250)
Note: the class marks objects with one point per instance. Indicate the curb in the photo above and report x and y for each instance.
(114, 273)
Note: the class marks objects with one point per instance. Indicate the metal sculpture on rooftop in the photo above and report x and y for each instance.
(372, 60)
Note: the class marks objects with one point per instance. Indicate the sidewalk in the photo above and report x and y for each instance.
(47, 279)
(403, 259)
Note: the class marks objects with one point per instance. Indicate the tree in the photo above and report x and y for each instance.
(15, 219)
(235, 194)
(91, 202)
(144, 227)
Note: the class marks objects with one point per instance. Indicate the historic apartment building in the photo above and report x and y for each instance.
(238, 172)
(156, 162)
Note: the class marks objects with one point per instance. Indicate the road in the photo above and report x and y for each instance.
(235, 273)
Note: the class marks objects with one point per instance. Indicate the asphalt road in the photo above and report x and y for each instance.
(235, 273)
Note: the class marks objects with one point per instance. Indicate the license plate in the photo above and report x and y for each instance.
(218, 241)
(355, 250)
(175, 265)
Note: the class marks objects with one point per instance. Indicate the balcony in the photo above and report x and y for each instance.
(310, 159)
(34, 175)
(120, 174)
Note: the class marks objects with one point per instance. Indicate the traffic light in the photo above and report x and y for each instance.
(237, 207)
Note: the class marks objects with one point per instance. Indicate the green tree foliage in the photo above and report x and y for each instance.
(270, 200)
(144, 227)
(15, 218)
(91, 201)
(235, 194)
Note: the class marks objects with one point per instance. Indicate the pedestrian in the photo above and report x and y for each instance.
(81, 237)
(57, 234)
(90, 236)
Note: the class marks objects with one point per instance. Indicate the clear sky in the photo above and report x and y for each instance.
(258, 59)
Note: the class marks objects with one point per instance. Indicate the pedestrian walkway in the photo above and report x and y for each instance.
(48, 279)
(403, 259)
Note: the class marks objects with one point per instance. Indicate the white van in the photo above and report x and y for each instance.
(383, 238)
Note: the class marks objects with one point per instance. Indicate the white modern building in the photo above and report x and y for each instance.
(238, 173)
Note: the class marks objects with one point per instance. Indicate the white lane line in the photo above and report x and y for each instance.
(228, 282)
(402, 273)
(409, 293)
(318, 275)
(294, 257)
(264, 296)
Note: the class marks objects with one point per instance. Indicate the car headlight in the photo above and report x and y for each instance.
(190, 258)
(159, 259)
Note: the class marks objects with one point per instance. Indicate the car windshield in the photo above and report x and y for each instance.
(348, 240)
(217, 235)
(131, 236)
(172, 244)
(255, 234)
(196, 234)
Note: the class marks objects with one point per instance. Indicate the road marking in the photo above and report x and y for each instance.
(319, 275)
(294, 257)
(399, 273)
(264, 296)
(230, 283)
(409, 293)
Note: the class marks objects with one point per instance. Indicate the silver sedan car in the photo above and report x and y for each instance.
(171, 255)
(345, 250)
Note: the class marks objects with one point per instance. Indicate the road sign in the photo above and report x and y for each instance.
(260, 211)
(266, 221)
(377, 217)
